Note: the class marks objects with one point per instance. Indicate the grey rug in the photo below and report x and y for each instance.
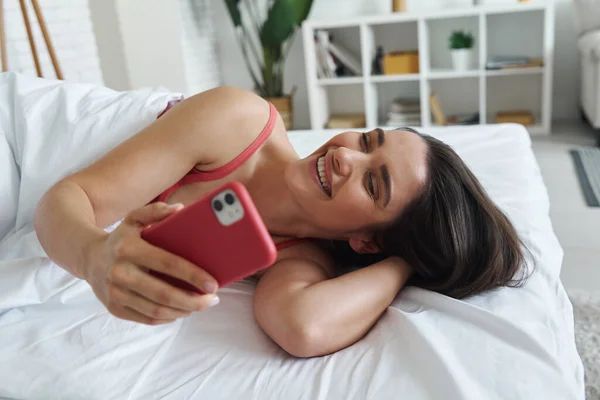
(586, 311)
(587, 165)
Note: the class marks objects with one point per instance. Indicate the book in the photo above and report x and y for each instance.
(514, 62)
(329, 65)
(321, 72)
(347, 121)
(402, 105)
(345, 57)
(522, 117)
(404, 111)
(463, 119)
(436, 109)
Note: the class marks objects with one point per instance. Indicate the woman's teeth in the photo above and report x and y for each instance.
(322, 175)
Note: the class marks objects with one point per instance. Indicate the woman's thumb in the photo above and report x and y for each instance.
(152, 213)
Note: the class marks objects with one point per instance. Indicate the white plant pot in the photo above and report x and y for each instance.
(462, 59)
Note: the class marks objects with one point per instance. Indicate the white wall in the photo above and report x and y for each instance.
(566, 65)
(566, 69)
(70, 29)
(107, 29)
(157, 43)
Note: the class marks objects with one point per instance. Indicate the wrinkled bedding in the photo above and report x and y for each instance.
(58, 341)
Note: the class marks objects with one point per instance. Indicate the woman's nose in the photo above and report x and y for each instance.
(344, 160)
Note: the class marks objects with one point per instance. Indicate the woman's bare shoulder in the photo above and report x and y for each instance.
(207, 129)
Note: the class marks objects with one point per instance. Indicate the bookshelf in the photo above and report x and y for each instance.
(500, 30)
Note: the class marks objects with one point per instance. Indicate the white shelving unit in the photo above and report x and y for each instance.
(521, 29)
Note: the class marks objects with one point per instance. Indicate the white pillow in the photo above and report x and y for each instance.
(9, 186)
(55, 128)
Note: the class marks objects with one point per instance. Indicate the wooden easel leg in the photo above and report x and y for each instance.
(42, 23)
(3, 56)
(31, 40)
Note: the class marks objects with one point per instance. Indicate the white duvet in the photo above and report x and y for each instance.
(58, 342)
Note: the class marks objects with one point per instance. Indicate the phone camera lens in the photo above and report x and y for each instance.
(229, 199)
(217, 205)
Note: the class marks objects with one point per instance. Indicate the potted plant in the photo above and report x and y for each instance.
(461, 46)
(265, 39)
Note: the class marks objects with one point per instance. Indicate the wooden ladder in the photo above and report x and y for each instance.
(34, 53)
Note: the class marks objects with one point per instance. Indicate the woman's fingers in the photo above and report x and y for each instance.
(141, 282)
(146, 307)
(133, 315)
(170, 264)
(150, 214)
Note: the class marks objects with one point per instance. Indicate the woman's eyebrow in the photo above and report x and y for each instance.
(387, 183)
(380, 136)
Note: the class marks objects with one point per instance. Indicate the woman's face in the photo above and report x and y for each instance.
(365, 180)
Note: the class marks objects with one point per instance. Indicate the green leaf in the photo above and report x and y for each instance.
(461, 40)
(280, 23)
(302, 10)
(234, 11)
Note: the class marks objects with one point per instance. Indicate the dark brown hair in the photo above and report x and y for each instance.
(453, 235)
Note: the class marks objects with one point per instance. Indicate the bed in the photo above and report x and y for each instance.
(58, 341)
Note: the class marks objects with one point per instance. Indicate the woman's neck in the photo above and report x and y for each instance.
(275, 203)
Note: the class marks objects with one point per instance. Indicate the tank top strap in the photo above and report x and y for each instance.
(288, 243)
(195, 175)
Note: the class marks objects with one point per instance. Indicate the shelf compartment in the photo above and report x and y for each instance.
(397, 37)
(439, 32)
(387, 93)
(456, 96)
(344, 99)
(515, 34)
(514, 92)
(347, 40)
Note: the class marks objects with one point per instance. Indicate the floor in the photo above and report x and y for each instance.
(577, 226)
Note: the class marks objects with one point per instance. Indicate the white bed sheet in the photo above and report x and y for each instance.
(58, 342)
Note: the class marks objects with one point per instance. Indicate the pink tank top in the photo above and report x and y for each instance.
(195, 175)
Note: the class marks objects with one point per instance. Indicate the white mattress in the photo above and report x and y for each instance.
(58, 342)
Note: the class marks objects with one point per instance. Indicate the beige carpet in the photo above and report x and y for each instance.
(586, 310)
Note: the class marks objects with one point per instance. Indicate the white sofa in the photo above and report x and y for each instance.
(588, 20)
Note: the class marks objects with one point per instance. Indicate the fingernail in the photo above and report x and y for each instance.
(175, 206)
(214, 301)
(210, 287)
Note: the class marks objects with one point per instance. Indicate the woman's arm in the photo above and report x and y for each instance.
(208, 129)
(201, 129)
(309, 315)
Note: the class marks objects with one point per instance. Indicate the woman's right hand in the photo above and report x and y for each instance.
(118, 268)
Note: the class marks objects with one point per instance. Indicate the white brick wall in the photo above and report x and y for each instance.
(70, 28)
(199, 46)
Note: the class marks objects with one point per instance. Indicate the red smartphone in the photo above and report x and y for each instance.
(222, 233)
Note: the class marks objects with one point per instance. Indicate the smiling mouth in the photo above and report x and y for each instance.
(323, 176)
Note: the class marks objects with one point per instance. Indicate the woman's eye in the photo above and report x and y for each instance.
(365, 140)
(375, 187)
(371, 184)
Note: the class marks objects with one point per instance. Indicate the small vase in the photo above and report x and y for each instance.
(462, 59)
(398, 5)
(284, 108)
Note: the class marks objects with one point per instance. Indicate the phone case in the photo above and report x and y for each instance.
(227, 252)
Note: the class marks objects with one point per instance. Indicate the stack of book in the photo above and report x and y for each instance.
(347, 121)
(404, 112)
(334, 60)
(514, 62)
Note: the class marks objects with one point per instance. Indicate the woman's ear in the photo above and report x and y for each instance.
(364, 246)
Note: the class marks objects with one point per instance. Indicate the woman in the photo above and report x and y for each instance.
(401, 205)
